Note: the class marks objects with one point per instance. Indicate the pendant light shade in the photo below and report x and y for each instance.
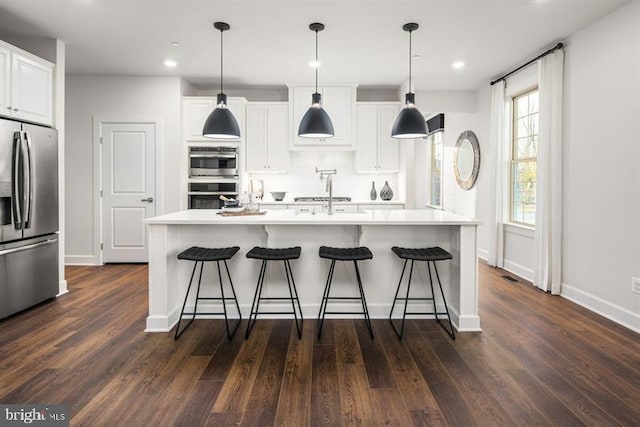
(221, 124)
(316, 122)
(410, 122)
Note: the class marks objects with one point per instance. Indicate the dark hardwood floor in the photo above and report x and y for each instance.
(540, 360)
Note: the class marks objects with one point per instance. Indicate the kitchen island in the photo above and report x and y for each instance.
(379, 230)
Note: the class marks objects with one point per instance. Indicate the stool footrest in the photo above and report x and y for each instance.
(344, 312)
(420, 313)
(415, 299)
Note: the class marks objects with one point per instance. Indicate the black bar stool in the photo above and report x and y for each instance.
(275, 254)
(344, 254)
(202, 255)
(431, 255)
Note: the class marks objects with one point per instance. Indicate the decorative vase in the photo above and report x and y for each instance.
(386, 193)
(373, 193)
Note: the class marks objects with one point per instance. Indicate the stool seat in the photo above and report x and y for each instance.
(196, 253)
(274, 254)
(422, 254)
(345, 254)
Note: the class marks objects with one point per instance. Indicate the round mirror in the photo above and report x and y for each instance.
(466, 159)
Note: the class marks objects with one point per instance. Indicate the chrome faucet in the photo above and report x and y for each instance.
(329, 187)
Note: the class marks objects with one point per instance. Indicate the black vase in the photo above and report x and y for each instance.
(386, 193)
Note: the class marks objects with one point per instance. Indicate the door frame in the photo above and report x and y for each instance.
(98, 121)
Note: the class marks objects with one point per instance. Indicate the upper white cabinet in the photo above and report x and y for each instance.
(26, 86)
(267, 137)
(338, 101)
(376, 151)
(196, 109)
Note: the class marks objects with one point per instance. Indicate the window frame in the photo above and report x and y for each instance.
(513, 159)
(432, 139)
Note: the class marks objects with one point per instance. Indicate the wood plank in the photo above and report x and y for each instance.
(378, 370)
(263, 401)
(357, 406)
(389, 408)
(326, 409)
(346, 341)
(294, 408)
(200, 402)
(234, 395)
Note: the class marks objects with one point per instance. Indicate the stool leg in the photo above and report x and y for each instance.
(256, 299)
(224, 302)
(325, 297)
(395, 297)
(293, 305)
(406, 303)
(235, 299)
(363, 300)
(186, 297)
(444, 300)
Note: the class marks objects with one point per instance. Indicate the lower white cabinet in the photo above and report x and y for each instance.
(267, 142)
(378, 206)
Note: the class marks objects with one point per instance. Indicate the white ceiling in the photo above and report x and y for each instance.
(269, 43)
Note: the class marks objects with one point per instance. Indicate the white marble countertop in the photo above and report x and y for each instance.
(289, 217)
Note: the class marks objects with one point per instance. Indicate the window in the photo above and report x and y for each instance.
(435, 143)
(524, 151)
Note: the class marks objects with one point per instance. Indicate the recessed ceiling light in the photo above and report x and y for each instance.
(175, 44)
(314, 64)
(458, 65)
(170, 63)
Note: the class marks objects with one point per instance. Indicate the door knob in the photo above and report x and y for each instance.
(148, 200)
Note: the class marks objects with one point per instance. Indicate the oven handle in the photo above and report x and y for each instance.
(221, 156)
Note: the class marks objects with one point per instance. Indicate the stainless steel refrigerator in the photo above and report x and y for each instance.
(28, 215)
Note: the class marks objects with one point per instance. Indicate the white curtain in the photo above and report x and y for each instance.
(547, 260)
(495, 234)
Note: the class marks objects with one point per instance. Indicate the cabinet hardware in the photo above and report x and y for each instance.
(148, 199)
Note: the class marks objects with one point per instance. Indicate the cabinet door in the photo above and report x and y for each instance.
(277, 138)
(31, 89)
(194, 114)
(5, 71)
(380, 206)
(338, 103)
(256, 138)
(367, 131)
(387, 146)
(301, 101)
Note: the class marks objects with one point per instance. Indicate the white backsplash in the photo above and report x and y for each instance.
(302, 180)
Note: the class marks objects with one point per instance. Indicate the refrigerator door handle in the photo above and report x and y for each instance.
(27, 247)
(15, 190)
(28, 181)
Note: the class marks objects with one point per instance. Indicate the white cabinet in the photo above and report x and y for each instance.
(26, 86)
(267, 137)
(196, 109)
(338, 102)
(273, 206)
(376, 151)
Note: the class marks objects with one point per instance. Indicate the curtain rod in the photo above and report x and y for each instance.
(504, 76)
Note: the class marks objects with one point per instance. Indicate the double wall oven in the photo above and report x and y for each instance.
(214, 171)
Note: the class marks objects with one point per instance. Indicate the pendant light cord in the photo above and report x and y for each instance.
(409, 61)
(221, 59)
(317, 63)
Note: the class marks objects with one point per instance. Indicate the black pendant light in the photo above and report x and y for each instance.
(316, 122)
(410, 122)
(221, 124)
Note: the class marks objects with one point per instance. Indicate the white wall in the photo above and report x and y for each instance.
(89, 96)
(601, 154)
(459, 108)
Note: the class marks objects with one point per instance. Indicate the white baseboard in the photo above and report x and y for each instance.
(62, 288)
(518, 270)
(81, 260)
(613, 312)
(483, 254)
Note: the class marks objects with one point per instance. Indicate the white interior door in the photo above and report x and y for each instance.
(128, 189)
